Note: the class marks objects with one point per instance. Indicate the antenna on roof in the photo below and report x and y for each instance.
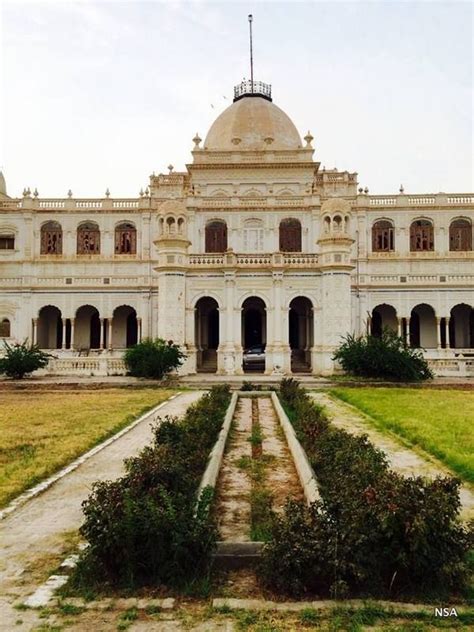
(251, 51)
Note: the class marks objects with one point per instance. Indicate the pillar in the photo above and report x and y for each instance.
(72, 333)
(35, 331)
(109, 334)
(102, 326)
(438, 333)
(139, 329)
(448, 342)
(399, 326)
(63, 345)
(407, 331)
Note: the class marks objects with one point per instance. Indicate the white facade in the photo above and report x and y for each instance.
(88, 277)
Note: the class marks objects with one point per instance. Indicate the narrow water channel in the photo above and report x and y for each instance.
(257, 465)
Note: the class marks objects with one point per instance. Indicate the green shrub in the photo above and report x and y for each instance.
(386, 356)
(21, 359)
(153, 358)
(374, 532)
(144, 528)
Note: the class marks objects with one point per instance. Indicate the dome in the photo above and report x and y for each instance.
(252, 123)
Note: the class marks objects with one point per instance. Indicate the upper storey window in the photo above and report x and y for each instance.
(7, 242)
(253, 236)
(51, 239)
(216, 236)
(290, 235)
(88, 239)
(460, 235)
(421, 235)
(125, 239)
(382, 236)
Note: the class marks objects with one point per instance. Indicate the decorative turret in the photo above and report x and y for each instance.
(335, 241)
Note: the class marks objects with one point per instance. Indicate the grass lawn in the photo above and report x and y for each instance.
(40, 432)
(439, 421)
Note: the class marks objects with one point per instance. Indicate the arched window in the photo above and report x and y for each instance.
(88, 239)
(216, 236)
(460, 235)
(290, 235)
(5, 331)
(421, 235)
(382, 236)
(7, 241)
(51, 239)
(125, 239)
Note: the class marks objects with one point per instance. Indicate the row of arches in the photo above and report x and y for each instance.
(424, 329)
(290, 240)
(87, 330)
(88, 238)
(422, 235)
(253, 333)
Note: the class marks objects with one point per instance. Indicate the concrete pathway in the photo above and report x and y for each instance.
(38, 530)
(402, 459)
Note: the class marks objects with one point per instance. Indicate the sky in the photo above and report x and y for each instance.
(98, 95)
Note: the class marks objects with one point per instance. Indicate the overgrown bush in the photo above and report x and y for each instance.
(374, 532)
(20, 359)
(386, 356)
(144, 527)
(153, 358)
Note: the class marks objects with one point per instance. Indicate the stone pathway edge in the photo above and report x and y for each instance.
(46, 484)
(303, 467)
(213, 467)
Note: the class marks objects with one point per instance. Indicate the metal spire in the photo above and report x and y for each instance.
(251, 52)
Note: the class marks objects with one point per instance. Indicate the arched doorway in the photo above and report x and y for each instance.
(206, 334)
(383, 317)
(50, 328)
(301, 333)
(254, 334)
(423, 327)
(461, 327)
(87, 328)
(124, 327)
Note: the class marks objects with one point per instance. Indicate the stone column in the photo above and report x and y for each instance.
(399, 326)
(438, 333)
(448, 344)
(109, 334)
(63, 345)
(72, 333)
(35, 331)
(102, 326)
(228, 342)
(139, 329)
(407, 333)
(281, 351)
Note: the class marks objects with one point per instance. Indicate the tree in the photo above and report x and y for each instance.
(21, 359)
(386, 356)
(153, 358)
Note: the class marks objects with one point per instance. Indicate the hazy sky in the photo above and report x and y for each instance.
(100, 94)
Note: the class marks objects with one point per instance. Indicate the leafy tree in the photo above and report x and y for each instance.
(386, 356)
(153, 358)
(21, 359)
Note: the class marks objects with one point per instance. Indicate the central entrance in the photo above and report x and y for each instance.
(254, 334)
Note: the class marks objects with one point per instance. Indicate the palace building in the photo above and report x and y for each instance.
(253, 259)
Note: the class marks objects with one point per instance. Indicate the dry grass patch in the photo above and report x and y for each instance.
(43, 431)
